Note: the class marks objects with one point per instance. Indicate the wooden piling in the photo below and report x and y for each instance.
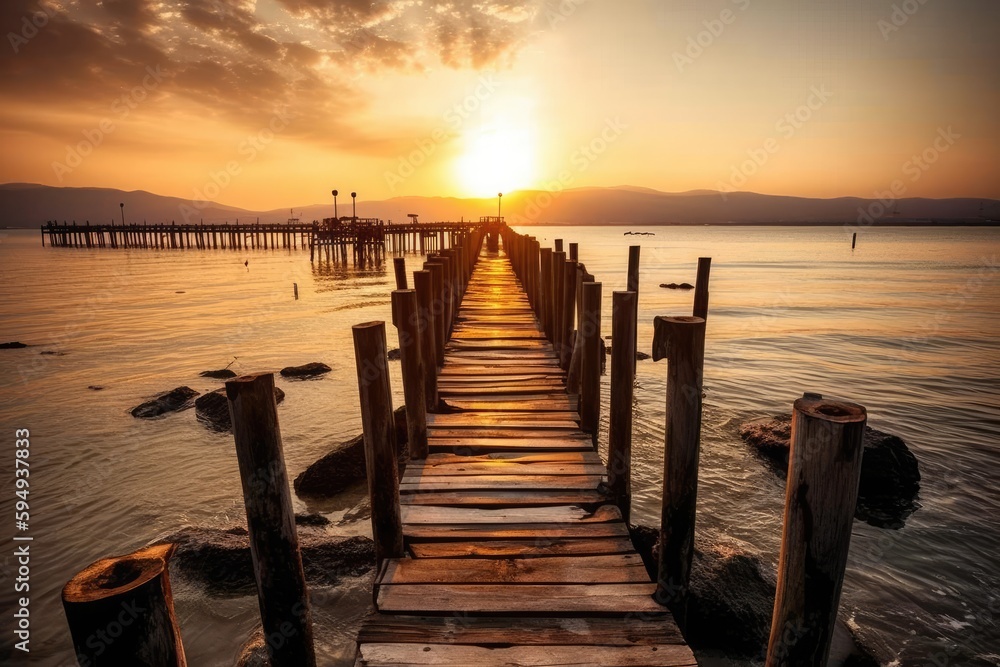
(590, 377)
(274, 545)
(701, 288)
(556, 316)
(632, 285)
(545, 312)
(120, 611)
(438, 307)
(404, 306)
(380, 437)
(568, 313)
(681, 340)
(428, 348)
(399, 266)
(824, 468)
(620, 413)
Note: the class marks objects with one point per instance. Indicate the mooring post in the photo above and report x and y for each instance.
(438, 309)
(544, 312)
(824, 468)
(428, 348)
(567, 316)
(632, 285)
(558, 273)
(574, 252)
(620, 414)
(404, 305)
(681, 340)
(94, 601)
(701, 288)
(274, 544)
(380, 437)
(399, 266)
(590, 377)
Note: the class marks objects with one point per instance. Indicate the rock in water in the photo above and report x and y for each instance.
(394, 354)
(220, 559)
(344, 465)
(305, 371)
(176, 399)
(253, 653)
(221, 374)
(890, 475)
(213, 409)
(13, 345)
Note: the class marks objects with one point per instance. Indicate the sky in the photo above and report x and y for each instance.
(271, 103)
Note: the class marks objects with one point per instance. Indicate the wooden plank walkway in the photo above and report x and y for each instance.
(514, 555)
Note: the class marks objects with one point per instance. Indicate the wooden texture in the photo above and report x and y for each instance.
(274, 544)
(590, 376)
(132, 592)
(701, 288)
(422, 283)
(380, 438)
(824, 469)
(404, 306)
(682, 341)
(620, 412)
(514, 556)
(632, 285)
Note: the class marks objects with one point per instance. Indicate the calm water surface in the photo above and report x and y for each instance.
(907, 325)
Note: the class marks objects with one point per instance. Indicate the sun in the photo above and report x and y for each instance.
(497, 158)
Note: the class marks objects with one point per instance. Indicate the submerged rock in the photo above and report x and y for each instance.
(253, 653)
(221, 374)
(212, 409)
(890, 475)
(731, 601)
(220, 559)
(311, 520)
(676, 286)
(306, 370)
(173, 400)
(13, 345)
(344, 465)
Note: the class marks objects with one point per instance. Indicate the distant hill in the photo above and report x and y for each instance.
(29, 205)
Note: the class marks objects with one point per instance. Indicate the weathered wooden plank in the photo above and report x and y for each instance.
(589, 456)
(540, 405)
(520, 498)
(512, 531)
(390, 655)
(525, 437)
(416, 468)
(416, 483)
(512, 419)
(530, 548)
(524, 599)
(610, 569)
(566, 514)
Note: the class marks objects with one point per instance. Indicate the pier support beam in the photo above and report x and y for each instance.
(380, 439)
(274, 543)
(590, 377)
(681, 340)
(824, 468)
(404, 306)
(622, 381)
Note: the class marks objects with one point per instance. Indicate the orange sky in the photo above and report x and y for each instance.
(275, 102)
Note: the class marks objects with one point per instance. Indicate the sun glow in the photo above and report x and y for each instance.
(497, 159)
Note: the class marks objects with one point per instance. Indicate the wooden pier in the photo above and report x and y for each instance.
(505, 539)
(363, 236)
(513, 554)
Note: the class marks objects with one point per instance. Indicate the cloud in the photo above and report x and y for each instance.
(240, 60)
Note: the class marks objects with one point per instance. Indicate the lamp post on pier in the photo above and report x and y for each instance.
(499, 200)
(335, 193)
(122, 205)
(354, 207)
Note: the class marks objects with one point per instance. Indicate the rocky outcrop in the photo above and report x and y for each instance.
(213, 409)
(13, 345)
(220, 560)
(343, 466)
(253, 653)
(306, 370)
(890, 475)
(173, 400)
(676, 286)
(221, 374)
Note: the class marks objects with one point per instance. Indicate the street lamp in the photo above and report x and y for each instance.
(122, 205)
(354, 207)
(335, 193)
(499, 199)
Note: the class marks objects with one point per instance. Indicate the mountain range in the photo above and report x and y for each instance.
(29, 205)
